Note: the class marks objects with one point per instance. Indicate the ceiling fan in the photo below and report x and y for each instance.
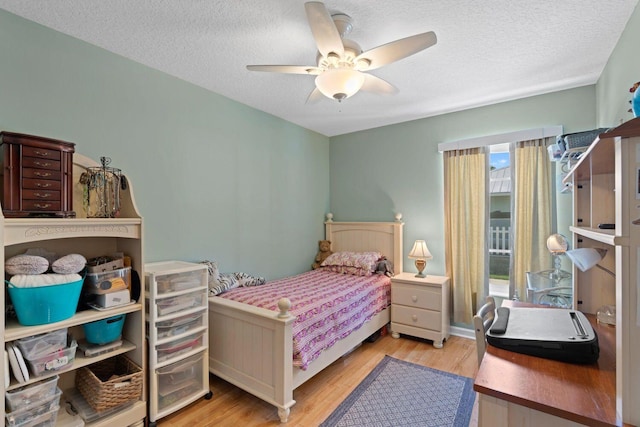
(342, 66)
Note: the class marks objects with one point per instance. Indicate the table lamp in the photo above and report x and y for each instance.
(421, 254)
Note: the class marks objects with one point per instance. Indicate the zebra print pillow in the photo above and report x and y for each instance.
(247, 280)
(219, 283)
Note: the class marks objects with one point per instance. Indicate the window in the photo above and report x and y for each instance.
(499, 220)
(518, 242)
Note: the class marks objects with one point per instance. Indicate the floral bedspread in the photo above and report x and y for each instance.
(328, 306)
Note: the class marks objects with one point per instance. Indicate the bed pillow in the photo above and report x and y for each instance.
(354, 263)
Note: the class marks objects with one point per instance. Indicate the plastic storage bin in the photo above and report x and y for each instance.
(43, 344)
(31, 393)
(53, 362)
(27, 413)
(108, 281)
(85, 412)
(45, 304)
(178, 373)
(178, 347)
(180, 380)
(47, 419)
(176, 282)
(166, 306)
(179, 325)
(68, 419)
(104, 331)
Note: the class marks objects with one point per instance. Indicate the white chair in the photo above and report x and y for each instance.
(481, 323)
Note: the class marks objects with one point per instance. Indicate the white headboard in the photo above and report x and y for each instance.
(384, 237)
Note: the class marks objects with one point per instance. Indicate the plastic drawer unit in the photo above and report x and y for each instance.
(177, 322)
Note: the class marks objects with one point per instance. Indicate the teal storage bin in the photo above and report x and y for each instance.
(104, 331)
(45, 304)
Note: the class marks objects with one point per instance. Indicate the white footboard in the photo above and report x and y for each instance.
(252, 348)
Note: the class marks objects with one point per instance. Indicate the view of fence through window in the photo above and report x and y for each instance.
(500, 216)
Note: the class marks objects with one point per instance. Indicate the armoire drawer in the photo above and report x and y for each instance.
(38, 163)
(41, 205)
(47, 195)
(41, 153)
(41, 184)
(41, 174)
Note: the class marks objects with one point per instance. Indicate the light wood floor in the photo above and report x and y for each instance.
(318, 397)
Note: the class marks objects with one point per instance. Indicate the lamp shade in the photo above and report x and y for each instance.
(420, 250)
(339, 83)
(586, 258)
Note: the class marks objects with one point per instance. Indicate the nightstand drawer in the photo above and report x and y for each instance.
(416, 317)
(417, 296)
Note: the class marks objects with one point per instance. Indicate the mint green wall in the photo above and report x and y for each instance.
(621, 72)
(378, 172)
(397, 168)
(214, 179)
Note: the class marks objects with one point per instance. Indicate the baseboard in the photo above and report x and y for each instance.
(462, 332)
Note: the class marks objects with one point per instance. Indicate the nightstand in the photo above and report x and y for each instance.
(420, 307)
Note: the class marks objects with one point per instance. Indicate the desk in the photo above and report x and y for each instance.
(517, 389)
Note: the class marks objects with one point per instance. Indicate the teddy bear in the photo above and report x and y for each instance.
(323, 253)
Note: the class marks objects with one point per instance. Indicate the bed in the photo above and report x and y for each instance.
(252, 347)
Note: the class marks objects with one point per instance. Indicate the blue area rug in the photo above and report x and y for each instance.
(398, 393)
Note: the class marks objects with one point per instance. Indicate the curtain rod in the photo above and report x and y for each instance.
(482, 141)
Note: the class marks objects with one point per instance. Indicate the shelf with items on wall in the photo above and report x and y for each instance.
(568, 150)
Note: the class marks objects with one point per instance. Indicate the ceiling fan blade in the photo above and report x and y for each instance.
(288, 69)
(377, 85)
(394, 51)
(314, 96)
(324, 30)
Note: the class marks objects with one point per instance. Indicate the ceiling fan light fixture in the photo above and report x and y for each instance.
(362, 64)
(339, 83)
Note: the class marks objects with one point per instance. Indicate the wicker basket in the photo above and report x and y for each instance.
(110, 382)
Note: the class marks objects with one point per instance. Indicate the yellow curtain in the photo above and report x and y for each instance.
(466, 229)
(531, 211)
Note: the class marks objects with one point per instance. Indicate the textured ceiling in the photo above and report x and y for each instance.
(487, 51)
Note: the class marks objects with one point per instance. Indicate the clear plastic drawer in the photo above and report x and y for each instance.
(181, 281)
(166, 306)
(179, 325)
(178, 347)
(180, 380)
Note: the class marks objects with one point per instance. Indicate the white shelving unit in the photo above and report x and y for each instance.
(177, 331)
(606, 189)
(90, 237)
